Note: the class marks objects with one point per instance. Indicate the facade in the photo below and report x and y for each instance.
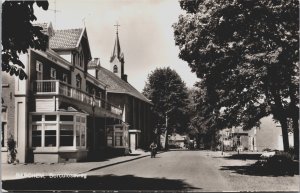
(62, 112)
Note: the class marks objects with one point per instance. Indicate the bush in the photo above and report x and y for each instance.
(12, 152)
(279, 164)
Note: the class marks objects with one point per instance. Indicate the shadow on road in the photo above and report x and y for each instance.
(255, 156)
(107, 182)
(257, 170)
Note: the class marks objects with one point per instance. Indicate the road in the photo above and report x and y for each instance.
(188, 170)
(197, 171)
(173, 170)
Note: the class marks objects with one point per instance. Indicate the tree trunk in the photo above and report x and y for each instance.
(285, 137)
(281, 116)
(296, 136)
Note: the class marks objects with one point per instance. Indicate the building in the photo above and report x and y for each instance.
(136, 107)
(267, 136)
(63, 112)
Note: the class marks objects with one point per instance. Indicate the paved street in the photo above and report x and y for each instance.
(173, 170)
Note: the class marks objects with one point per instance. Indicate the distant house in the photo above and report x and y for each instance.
(267, 136)
(176, 140)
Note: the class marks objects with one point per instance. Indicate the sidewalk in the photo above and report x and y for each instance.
(19, 171)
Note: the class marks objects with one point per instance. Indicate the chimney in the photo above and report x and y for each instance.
(124, 77)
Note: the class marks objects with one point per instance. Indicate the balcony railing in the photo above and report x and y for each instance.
(60, 88)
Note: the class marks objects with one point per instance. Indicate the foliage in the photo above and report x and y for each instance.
(18, 34)
(168, 94)
(246, 56)
(12, 151)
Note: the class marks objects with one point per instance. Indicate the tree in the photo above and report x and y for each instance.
(18, 34)
(169, 96)
(246, 55)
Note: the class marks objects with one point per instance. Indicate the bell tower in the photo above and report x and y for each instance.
(117, 58)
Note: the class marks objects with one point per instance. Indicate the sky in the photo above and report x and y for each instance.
(145, 33)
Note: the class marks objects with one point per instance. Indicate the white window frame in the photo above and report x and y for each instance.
(58, 122)
(39, 70)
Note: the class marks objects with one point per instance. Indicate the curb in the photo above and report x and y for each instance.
(112, 164)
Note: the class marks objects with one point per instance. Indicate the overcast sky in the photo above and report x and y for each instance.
(146, 33)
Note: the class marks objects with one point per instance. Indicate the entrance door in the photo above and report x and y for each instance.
(132, 142)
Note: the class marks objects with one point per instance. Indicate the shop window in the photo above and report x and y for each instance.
(3, 131)
(66, 118)
(36, 135)
(4, 127)
(109, 140)
(53, 73)
(66, 135)
(118, 139)
(50, 135)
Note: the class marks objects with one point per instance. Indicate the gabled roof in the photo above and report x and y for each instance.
(117, 85)
(66, 39)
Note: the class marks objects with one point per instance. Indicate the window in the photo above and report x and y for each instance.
(66, 135)
(65, 78)
(4, 127)
(81, 61)
(36, 135)
(53, 73)
(115, 69)
(50, 135)
(78, 81)
(36, 118)
(39, 70)
(50, 117)
(82, 136)
(77, 135)
(66, 118)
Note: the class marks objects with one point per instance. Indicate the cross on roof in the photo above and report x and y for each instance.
(117, 25)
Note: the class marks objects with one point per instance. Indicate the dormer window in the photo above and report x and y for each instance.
(78, 81)
(115, 69)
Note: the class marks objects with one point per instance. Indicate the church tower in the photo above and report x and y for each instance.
(117, 59)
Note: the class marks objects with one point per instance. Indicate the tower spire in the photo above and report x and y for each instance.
(117, 53)
(117, 27)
